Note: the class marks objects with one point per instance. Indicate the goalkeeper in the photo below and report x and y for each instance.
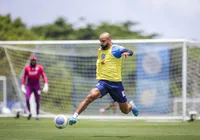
(108, 72)
(32, 74)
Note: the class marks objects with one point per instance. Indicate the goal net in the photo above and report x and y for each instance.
(162, 77)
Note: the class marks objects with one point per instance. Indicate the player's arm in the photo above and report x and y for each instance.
(119, 51)
(44, 77)
(24, 81)
(127, 51)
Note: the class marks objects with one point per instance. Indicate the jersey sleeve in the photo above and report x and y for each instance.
(117, 51)
(44, 77)
(24, 76)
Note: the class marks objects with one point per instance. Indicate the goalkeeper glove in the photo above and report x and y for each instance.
(23, 89)
(46, 88)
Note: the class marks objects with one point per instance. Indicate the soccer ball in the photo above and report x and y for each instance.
(60, 121)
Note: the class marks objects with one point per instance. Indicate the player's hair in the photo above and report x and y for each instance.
(105, 34)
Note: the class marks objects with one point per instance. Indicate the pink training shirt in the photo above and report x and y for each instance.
(33, 75)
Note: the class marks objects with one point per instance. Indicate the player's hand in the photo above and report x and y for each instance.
(125, 54)
(46, 88)
(23, 89)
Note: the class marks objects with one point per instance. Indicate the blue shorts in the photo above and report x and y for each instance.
(115, 89)
(110, 99)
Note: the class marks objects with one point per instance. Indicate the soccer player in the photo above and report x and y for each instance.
(112, 105)
(108, 72)
(32, 74)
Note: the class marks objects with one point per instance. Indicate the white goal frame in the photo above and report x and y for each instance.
(3, 78)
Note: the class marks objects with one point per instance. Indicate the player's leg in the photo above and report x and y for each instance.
(37, 100)
(118, 94)
(134, 108)
(97, 92)
(125, 107)
(28, 95)
(93, 95)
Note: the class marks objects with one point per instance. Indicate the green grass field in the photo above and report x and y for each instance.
(44, 129)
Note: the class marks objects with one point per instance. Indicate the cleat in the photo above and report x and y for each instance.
(37, 118)
(72, 121)
(134, 109)
(29, 117)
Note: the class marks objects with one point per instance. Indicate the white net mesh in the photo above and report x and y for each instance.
(193, 77)
(152, 78)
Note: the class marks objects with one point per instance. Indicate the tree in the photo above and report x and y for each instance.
(86, 33)
(59, 30)
(14, 30)
(123, 30)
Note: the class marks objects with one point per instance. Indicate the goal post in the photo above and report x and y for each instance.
(159, 77)
(3, 92)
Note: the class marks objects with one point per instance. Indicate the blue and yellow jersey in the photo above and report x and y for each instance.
(109, 63)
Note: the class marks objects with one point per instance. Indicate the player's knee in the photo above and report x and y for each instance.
(90, 98)
(125, 110)
(93, 95)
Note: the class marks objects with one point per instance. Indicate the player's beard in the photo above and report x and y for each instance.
(104, 47)
(33, 65)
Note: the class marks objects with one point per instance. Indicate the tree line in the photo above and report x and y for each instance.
(61, 29)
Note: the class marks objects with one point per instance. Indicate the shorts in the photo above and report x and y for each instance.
(115, 89)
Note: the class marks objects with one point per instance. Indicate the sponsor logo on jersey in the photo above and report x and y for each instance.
(103, 56)
(33, 72)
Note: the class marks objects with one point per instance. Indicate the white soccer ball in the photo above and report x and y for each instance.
(60, 121)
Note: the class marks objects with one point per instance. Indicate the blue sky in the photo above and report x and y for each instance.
(170, 18)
